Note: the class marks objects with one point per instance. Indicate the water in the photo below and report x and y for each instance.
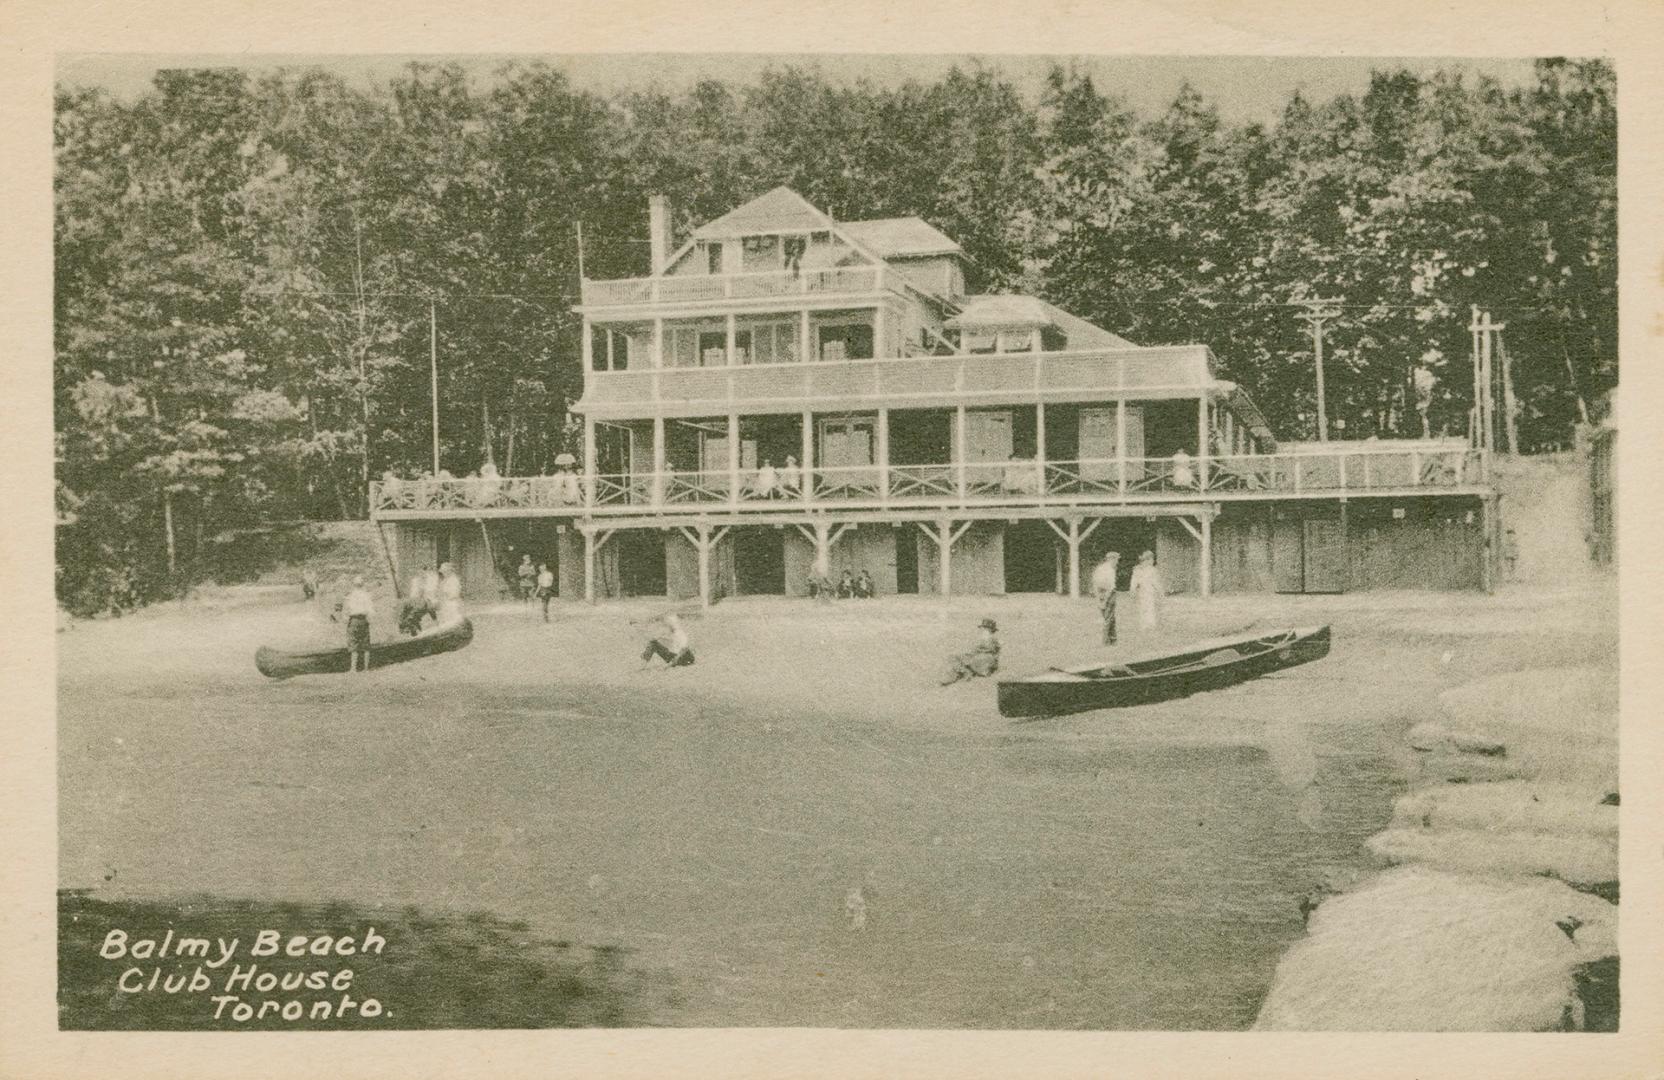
(760, 870)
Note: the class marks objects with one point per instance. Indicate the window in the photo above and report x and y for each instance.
(713, 348)
(846, 341)
(713, 258)
(769, 343)
(794, 247)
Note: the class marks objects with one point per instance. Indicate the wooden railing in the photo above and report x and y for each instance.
(1164, 371)
(1343, 471)
(841, 280)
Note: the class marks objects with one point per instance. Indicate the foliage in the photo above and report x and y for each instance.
(252, 277)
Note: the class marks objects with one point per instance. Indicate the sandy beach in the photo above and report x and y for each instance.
(803, 828)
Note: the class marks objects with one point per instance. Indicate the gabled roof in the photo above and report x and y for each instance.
(780, 210)
(901, 237)
(1012, 309)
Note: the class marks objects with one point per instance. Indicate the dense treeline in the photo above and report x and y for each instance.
(247, 266)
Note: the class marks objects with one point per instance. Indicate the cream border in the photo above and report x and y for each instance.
(33, 31)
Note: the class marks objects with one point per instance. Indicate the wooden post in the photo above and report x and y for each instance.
(959, 447)
(392, 560)
(1205, 575)
(1073, 540)
(1121, 442)
(733, 459)
(944, 548)
(1203, 443)
(808, 449)
(589, 347)
(589, 566)
(1040, 447)
(878, 342)
(805, 344)
(658, 342)
(703, 544)
(658, 461)
(883, 435)
(733, 339)
(589, 462)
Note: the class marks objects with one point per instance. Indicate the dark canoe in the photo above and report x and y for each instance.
(1210, 665)
(278, 664)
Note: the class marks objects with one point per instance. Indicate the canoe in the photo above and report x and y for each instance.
(281, 664)
(1209, 665)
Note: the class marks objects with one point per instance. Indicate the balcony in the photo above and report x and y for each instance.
(762, 285)
(1150, 373)
(1340, 472)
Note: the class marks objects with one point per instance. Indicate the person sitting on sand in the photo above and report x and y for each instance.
(846, 586)
(863, 586)
(357, 608)
(671, 645)
(983, 659)
(309, 584)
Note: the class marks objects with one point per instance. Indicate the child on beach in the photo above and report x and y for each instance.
(357, 608)
(983, 659)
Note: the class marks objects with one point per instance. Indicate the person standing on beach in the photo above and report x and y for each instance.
(983, 659)
(527, 573)
(1104, 577)
(671, 646)
(1510, 554)
(1147, 589)
(450, 595)
(545, 587)
(357, 608)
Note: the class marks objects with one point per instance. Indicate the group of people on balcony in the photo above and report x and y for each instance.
(482, 488)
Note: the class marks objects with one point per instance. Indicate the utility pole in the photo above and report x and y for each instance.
(1487, 342)
(1316, 314)
(433, 367)
(1509, 419)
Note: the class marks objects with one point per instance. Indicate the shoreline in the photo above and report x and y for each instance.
(771, 669)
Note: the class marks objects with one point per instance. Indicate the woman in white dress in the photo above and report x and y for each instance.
(450, 595)
(1147, 589)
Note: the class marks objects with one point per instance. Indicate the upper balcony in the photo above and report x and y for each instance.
(902, 382)
(629, 297)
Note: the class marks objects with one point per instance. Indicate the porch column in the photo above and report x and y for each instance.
(611, 364)
(1205, 575)
(883, 436)
(1040, 447)
(703, 543)
(589, 566)
(959, 447)
(1073, 540)
(733, 457)
(1203, 443)
(658, 461)
(733, 336)
(808, 448)
(658, 343)
(589, 346)
(944, 548)
(805, 346)
(1121, 442)
(878, 351)
(589, 462)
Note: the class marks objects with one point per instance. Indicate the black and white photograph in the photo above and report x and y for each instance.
(969, 542)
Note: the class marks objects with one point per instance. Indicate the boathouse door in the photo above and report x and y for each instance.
(1325, 556)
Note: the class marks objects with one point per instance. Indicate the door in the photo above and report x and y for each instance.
(1098, 444)
(987, 447)
(846, 450)
(1288, 569)
(1324, 549)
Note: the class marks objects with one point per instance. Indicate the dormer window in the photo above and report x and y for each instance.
(793, 247)
(713, 258)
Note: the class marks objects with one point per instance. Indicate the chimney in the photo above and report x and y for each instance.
(658, 229)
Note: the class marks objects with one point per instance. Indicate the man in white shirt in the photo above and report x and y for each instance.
(545, 587)
(357, 608)
(671, 646)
